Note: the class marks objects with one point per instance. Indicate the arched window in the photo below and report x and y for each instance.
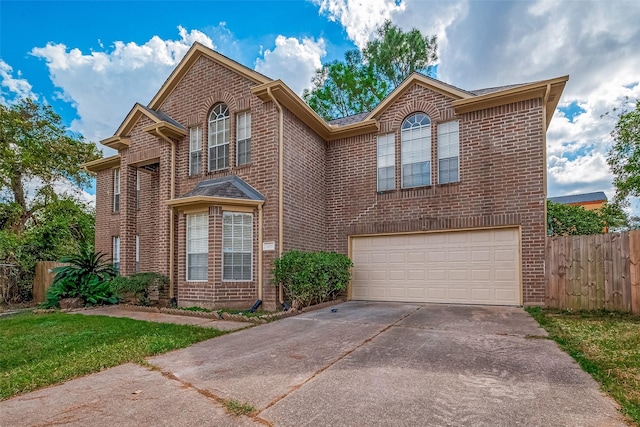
(416, 151)
(219, 138)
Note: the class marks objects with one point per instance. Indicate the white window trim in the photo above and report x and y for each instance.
(223, 252)
(393, 144)
(223, 116)
(137, 253)
(247, 115)
(403, 162)
(442, 133)
(116, 253)
(116, 190)
(187, 253)
(198, 141)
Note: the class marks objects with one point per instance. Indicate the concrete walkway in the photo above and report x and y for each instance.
(367, 364)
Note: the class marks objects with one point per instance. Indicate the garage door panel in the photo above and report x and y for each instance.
(466, 267)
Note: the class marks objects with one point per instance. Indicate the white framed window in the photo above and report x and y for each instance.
(197, 246)
(449, 152)
(195, 150)
(416, 151)
(386, 162)
(243, 144)
(137, 253)
(219, 138)
(116, 253)
(137, 189)
(116, 190)
(237, 246)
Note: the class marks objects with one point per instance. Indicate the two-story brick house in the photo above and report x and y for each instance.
(437, 195)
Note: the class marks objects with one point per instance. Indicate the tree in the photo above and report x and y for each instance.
(35, 146)
(568, 220)
(37, 151)
(624, 156)
(363, 79)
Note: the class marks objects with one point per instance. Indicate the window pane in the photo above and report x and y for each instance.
(197, 246)
(237, 246)
(219, 137)
(386, 162)
(416, 151)
(243, 146)
(448, 152)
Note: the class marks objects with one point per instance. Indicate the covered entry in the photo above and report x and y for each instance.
(466, 267)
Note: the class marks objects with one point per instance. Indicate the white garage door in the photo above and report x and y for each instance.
(466, 267)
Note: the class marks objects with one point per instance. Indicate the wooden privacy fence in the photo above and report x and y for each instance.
(43, 278)
(600, 271)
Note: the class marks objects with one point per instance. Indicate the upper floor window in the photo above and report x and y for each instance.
(116, 253)
(197, 246)
(195, 150)
(116, 190)
(386, 162)
(448, 152)
(137, 189)
(219, 138)
(416, 151)
(237, 246)
(243, 146)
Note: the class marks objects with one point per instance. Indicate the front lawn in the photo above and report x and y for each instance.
(37, 350)
(606, 345)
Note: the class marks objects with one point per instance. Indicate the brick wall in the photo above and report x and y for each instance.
(502, 169)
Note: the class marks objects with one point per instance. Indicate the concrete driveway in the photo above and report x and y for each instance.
(366, 364)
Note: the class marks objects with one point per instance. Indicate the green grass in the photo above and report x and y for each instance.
(237, 408)
(40, 350)
(606, 345)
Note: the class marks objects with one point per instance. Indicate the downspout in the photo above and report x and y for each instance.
(280, 181)
(260, 252)
(171, 225)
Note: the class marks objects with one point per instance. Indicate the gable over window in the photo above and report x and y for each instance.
(416, 151)
(219, 138)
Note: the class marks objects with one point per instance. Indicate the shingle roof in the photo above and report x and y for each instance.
(163, 116)
(228, 187)
(487, 90)
(597, 196)
(343, 121)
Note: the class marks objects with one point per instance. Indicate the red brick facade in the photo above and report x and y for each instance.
(329, 183)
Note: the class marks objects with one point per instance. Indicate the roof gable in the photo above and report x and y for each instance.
(196, 51)
(422, 80)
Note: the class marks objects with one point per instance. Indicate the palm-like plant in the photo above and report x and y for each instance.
(86, 276)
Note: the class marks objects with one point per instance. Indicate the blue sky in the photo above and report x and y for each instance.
(93, 59)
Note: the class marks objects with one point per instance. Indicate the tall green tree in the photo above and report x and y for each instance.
(35, 146)
(363, 79)
(624, 156)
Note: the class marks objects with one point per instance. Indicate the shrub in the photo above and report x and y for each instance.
(312, 277)
(139, 288)
(86, 276)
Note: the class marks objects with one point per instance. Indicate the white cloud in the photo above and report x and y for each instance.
(12, 88)
(485, 44)
(359, 18)
(103, 86)
(293, 62)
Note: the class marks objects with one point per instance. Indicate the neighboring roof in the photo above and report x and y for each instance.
(597, 196)
(225, 187)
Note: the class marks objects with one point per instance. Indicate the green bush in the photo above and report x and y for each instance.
(138, 288)
(312, 277)
(86, 276)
